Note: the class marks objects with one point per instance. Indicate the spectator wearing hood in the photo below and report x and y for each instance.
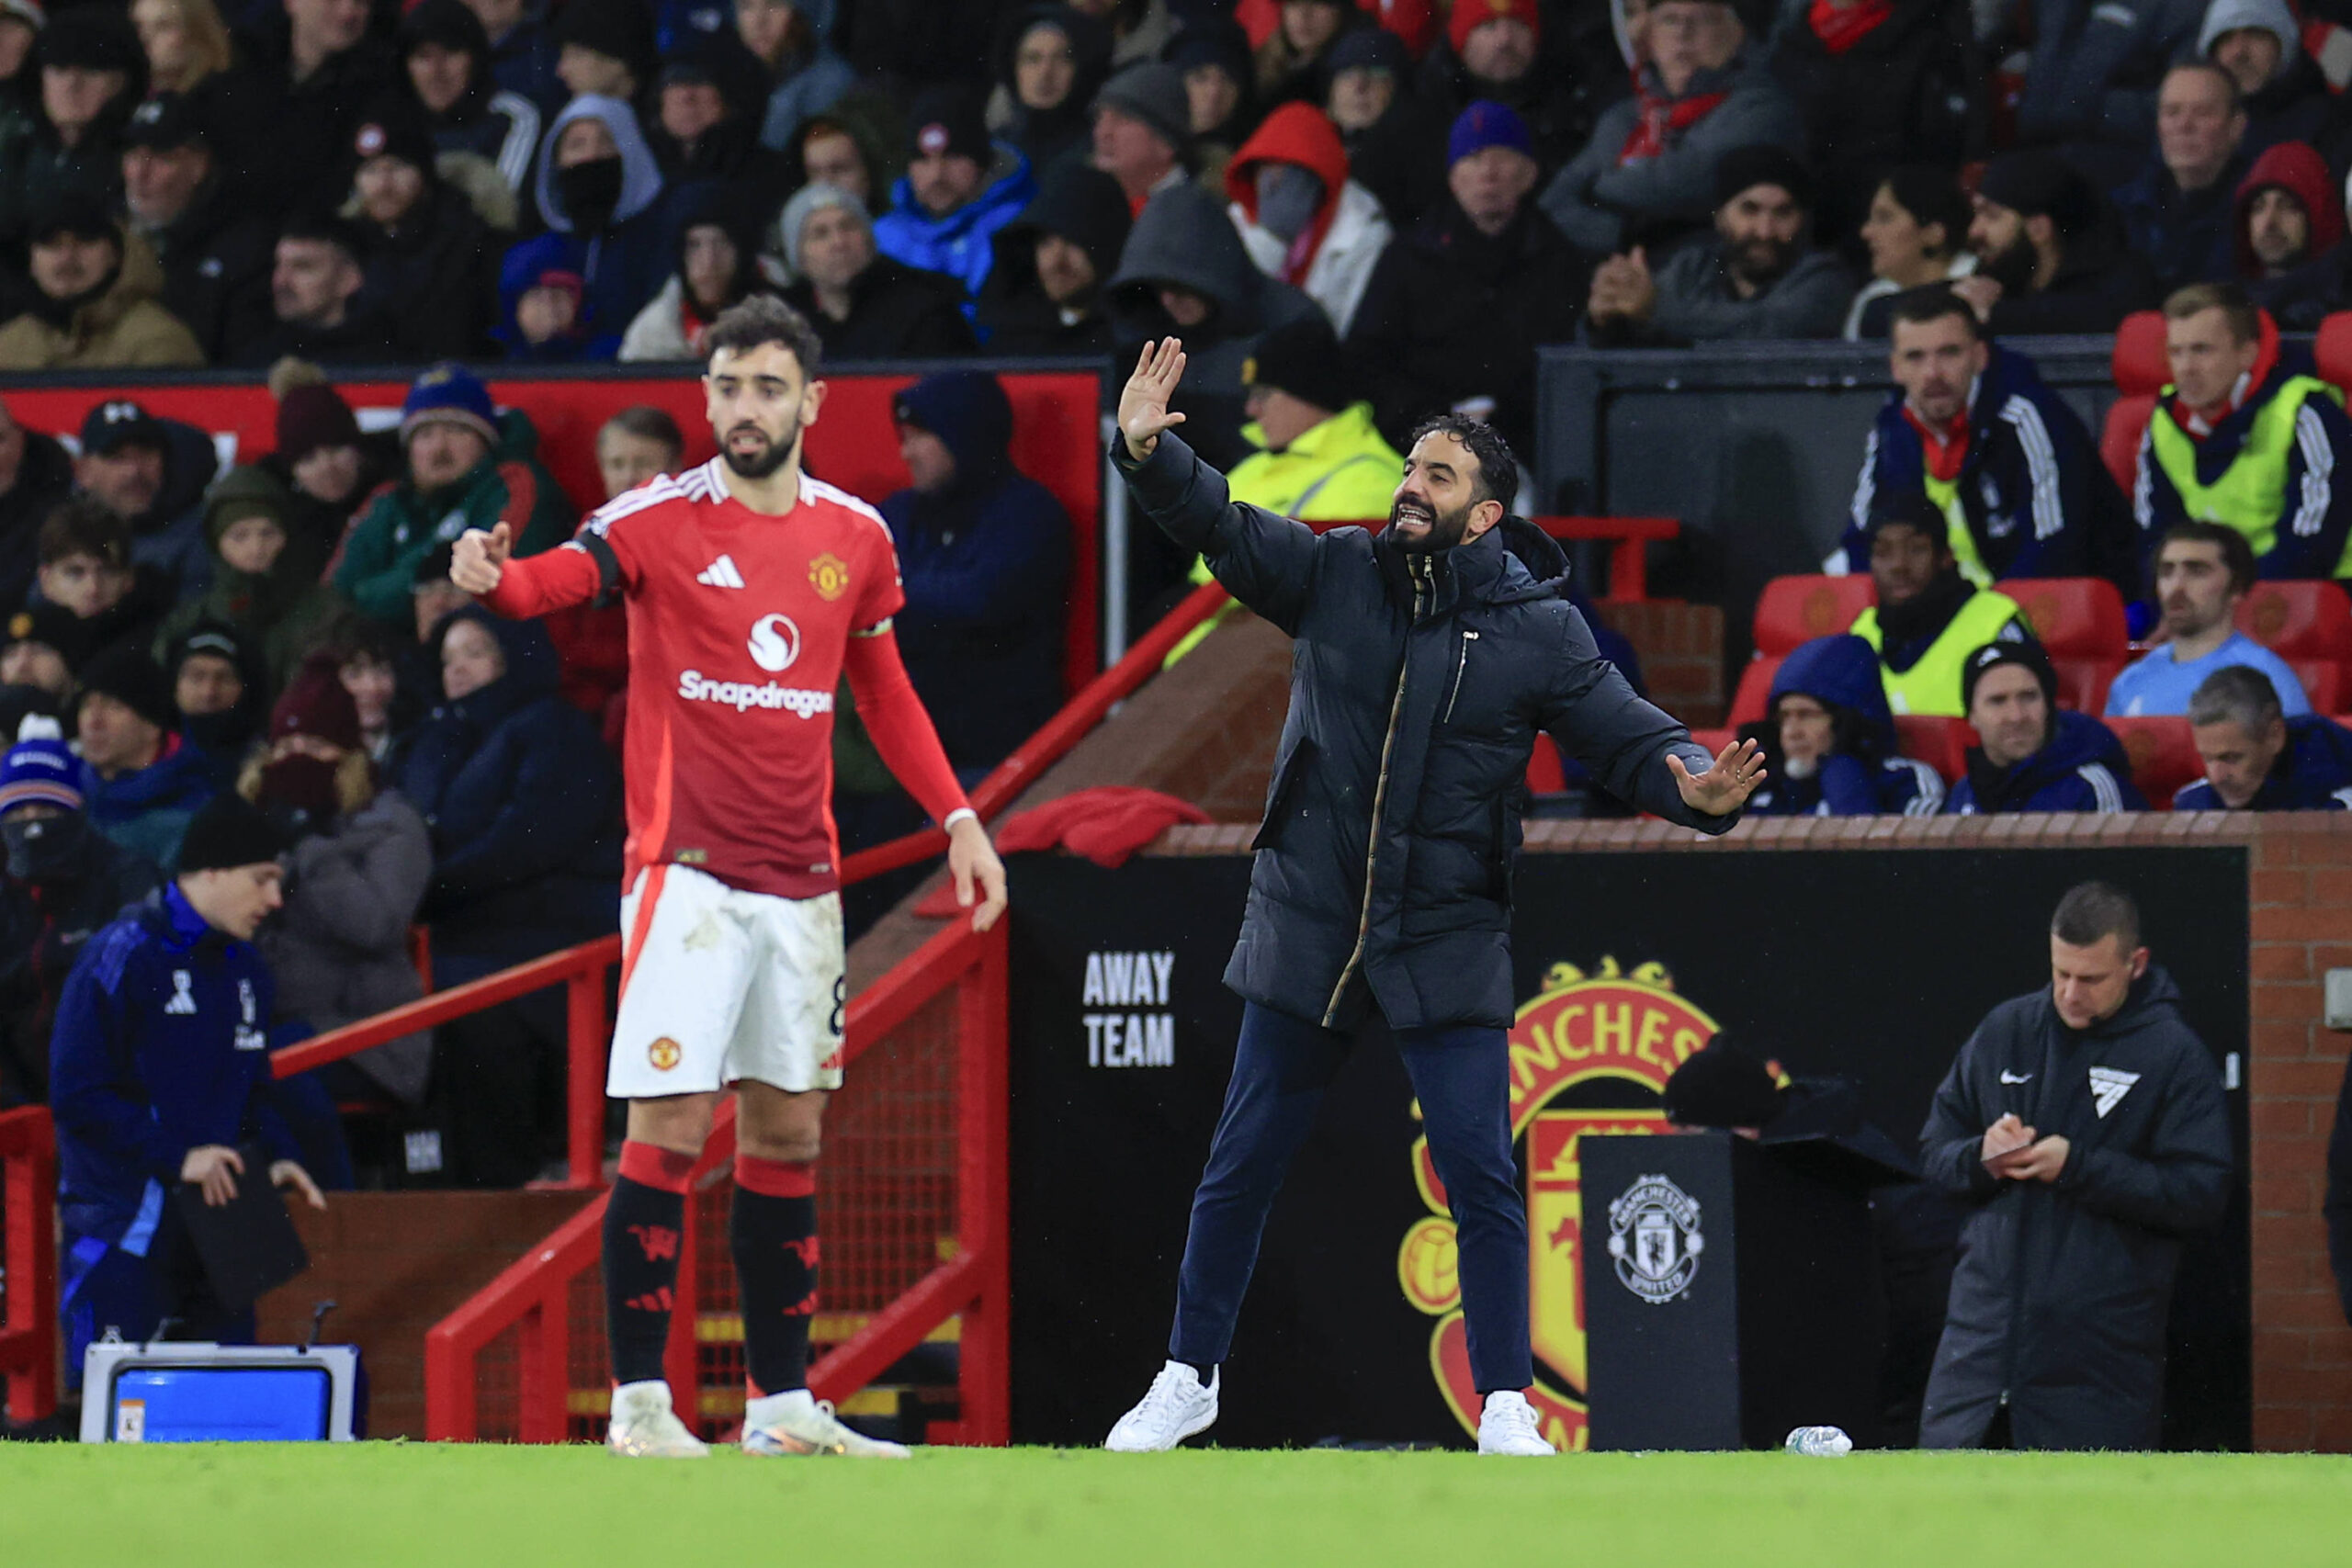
(317, 69)
(1185, 272)
(94, 303)
(1044, 295)
(2257, 757)
(1830, 743)
(327, 466)
(719, 264)
(984, 553)
(604, 48)
(705, 126)
(960, 187)
(1881, 83)
(1050, 62)
(2092, 73)
(264, 586)
(2176, 213)
(2288, 228)
(427, 261)
(524, 805)
(1143, 130)
(864, 305)
(64, 881)
(35, 475)
(1929, 618)
(600, 195)
(540, 314)
(2051, 256)
(92, 74)
(151, 473)
(1650, 166)
(1759, 278)
(1395, 142)
(462, 472)
(219, 693)
(109, 599)
(1213, 56)
(2033, 755)
(215, 253)
(143, 781)
(357, 869)
(1456, 308)
(317, 296)
(446, 52)
(805, 75)
(1300, 217)
(2280, 87)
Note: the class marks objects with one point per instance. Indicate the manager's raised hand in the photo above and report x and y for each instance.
(1143, 402)
(1727, 783)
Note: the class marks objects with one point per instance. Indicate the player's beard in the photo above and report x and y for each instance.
(771, 458)
(1446, 529)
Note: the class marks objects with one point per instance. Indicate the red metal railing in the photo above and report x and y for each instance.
(29, 1217)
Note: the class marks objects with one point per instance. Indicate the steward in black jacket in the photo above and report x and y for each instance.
(2059, 1299)
(1419, 683)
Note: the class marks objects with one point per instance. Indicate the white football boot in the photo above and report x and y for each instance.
(1177, 1406)
(644, 1427)
(1507, 1426)
(797, 1423)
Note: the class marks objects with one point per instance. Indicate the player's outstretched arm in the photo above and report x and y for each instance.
(483, 565)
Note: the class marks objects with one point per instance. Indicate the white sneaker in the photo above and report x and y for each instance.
(1176, 1406)
(1507, 1426)
(798, 1423)
(644, 1427)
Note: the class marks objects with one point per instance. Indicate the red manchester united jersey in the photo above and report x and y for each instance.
(738, 623)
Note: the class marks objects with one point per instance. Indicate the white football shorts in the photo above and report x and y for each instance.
(718, 985)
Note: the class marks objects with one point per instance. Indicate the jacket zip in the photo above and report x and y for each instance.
(1461, 664)
(1379, 798)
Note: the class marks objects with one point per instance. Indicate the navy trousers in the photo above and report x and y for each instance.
(1460, 1074)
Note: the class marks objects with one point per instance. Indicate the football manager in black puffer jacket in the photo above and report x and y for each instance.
(1427, 658)
(2084, 1122)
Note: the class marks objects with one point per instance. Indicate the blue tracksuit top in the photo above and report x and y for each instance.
(161, 1045)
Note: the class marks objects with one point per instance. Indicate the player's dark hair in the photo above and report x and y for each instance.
(1933, 302)
(1497, 476)
(2093, 910)
(2237, 552)
(649, 423)
(764, 318)
(84, 526)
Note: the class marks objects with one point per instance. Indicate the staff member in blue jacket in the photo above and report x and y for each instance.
(158, 1069)
(1428, 656)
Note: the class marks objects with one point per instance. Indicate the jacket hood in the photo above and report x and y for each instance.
(2271, 16)
(1183, 237)
(970, 414)
(1511, 563)
(1082, 204)
(1837, 671)
(2299, 170)
(1089, 45)
(1295, 133)
(712, 203)
(533, 669)
(640, 175)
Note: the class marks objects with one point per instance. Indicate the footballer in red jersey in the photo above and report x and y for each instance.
(752, 590)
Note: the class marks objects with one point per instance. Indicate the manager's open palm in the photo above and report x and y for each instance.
(1726, 784)
(1143, 402)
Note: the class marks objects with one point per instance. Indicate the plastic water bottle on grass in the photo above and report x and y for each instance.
(1819, 1443)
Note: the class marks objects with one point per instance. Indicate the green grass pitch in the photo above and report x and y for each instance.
(323, 1506)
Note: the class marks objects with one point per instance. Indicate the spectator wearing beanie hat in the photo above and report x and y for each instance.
(1045, 293)
(862, 304)
(426, 258)
(1213, 57)
(360, 859)
(604, 48)
(328, 467)
(220, 693)
(216, 252)
(2050, 256)
(1758, 279)
(1143, 130)
(1491, 53)
(1649, 168)
(89, 74)
(2033, 755)
(1459, 304)
(1395, 136)
(461, 472)
(447, 53)
(38, 647)
(960, 187)
(1299, 215)
(144, 782)
(266, 571)
(60, 884)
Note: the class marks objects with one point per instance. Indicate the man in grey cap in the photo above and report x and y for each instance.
(1143, 128)
(2051, 256)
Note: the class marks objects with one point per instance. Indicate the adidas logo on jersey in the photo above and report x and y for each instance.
(720, 573)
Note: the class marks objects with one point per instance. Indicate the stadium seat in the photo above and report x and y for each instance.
(1754, 693)
(2140, 370)
(1544, 775)
(1714, 741)
(1798, 609)
(2083, 682)
(2300, 620)
(1941, 743)
(2073, 618)
(2164, 756)
(2323, 682)
(2333, 349)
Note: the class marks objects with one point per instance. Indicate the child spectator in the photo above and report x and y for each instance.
(636, 445)
(599, 194)
(265, 584)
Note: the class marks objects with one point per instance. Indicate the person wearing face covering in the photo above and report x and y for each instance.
(1301, 218)
(600, 194)
(360, 857)
(65, 880)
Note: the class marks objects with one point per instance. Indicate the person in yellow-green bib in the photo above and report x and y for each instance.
(1320, 458)
(1928, 617)
(2247, 437)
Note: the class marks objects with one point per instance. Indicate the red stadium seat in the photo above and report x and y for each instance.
(2083, 682)
(1798, 609)
(2074, 617)
(2300, 620)
(1941, 743)
(2141, 372)
(1544, 776)
(2333, 349)
(1754, 694)
(2323, 682)
(2119, 438)
(2164, 756)
(1714, 741)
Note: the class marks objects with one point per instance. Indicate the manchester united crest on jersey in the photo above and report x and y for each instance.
(828, 575)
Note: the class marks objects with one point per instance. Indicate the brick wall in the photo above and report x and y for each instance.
(2300, 873)
(1681, 646)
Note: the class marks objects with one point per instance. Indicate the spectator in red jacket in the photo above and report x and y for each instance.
(2287, 230)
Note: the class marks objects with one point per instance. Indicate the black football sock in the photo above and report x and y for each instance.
(774, 1233)
(643, 1222)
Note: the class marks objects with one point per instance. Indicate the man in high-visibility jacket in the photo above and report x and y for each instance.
(1928, 617)
(2247, 437)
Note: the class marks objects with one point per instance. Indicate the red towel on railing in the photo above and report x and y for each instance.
(1106, 825)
